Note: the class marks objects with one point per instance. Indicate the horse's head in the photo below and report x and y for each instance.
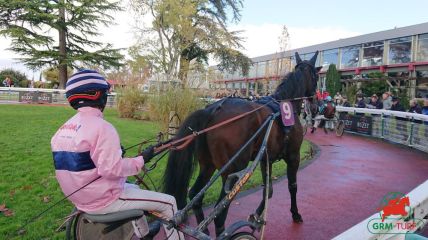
(310, 74)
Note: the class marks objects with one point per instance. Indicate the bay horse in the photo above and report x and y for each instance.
(213, 149)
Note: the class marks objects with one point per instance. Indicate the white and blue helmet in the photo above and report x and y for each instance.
(86, 88)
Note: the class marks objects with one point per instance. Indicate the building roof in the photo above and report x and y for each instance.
(366, 38)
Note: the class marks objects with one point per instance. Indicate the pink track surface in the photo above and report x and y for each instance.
(341, 187)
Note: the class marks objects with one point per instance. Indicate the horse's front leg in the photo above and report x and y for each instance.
(293, 161)
(261, 206)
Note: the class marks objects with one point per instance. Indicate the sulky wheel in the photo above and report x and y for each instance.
(340, 128)
(243, 236)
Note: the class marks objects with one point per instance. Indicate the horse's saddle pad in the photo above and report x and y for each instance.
(274, 106)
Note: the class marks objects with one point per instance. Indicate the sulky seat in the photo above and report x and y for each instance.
(114, 217)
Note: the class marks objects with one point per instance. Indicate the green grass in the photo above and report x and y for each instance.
(27, 173)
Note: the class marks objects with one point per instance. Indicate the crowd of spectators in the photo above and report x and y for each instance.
(387, 101)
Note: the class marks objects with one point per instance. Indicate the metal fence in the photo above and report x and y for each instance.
(56, 96)
(409, 129)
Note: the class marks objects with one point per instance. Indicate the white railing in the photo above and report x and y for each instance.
(419, 206)
(405, 128)
(407, 115)
(12, 95)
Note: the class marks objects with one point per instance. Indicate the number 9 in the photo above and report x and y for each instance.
(286, 110)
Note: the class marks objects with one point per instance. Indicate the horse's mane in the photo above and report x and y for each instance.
(291, 86)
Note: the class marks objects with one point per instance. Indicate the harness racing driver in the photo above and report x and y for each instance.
(87, 147)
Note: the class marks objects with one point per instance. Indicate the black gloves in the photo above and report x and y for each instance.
(148, 153)
(123, 150)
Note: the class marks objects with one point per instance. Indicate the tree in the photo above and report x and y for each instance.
(377, 86)
(188, 30)
(52, 74)
(18, 78)
(333, 84)
(284, 39)
(30, 26)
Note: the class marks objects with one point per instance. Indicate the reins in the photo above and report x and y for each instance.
(189, 138)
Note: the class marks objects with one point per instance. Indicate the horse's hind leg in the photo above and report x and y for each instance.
(221, 218)
(293, 161)
(205, 173)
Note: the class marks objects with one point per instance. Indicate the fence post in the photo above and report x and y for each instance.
(412, 125)
(382, 120)
(173, 125)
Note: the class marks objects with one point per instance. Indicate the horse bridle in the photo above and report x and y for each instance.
(313, 72)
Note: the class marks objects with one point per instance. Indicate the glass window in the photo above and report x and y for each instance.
(293, 63)
(285, 66)
(350, 57)
(272, 66)
(261, 69)
(237, 74)
(400, 50)
(330, 57)
(422, 84)
(372, 54)
(252, 71)
(423, 48)
(308, 56)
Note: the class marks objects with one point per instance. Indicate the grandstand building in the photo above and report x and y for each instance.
(401, 54)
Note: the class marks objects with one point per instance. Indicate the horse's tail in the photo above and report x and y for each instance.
(181, 163)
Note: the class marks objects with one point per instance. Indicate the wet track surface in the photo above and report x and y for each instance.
(342, 186)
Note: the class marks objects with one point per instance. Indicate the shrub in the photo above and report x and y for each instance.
(333, 80)
(130, 102)
(351, 93)
(182, 101)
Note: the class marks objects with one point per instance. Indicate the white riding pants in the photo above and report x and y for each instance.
(135, 198)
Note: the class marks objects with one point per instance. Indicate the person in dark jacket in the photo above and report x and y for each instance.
(375, 103)
(414, 107)
(360, 101)
(345, 102)
(396, 106)
(425, 107)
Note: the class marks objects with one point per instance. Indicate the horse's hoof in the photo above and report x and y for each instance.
(219, 231)
(297, 218)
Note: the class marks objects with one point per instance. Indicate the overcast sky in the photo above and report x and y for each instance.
(309, 22)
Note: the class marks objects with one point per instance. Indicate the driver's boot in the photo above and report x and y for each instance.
(154, 228)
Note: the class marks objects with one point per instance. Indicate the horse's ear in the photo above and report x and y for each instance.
(298, 59)
(314, 58)
(318, 69)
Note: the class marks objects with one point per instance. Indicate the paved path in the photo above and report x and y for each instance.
(340, 188)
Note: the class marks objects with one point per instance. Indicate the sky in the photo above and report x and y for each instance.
(309, 22)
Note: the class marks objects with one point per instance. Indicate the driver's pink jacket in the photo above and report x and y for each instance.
(87, 147)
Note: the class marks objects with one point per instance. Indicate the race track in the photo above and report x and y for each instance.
(341, 187)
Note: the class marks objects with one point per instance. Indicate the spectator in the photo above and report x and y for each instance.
(318, 95)
(360, 101)
(325, 94)
(337, 98)
(414, 107)
(345, 102)
(425, 107)
(375, 103)
(396, 106)
(7, 82)
(387, 100)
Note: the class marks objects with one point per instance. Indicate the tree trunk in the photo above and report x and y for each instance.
(62, 68)
(184, 70)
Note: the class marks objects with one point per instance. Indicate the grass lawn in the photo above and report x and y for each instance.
(27, 180)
